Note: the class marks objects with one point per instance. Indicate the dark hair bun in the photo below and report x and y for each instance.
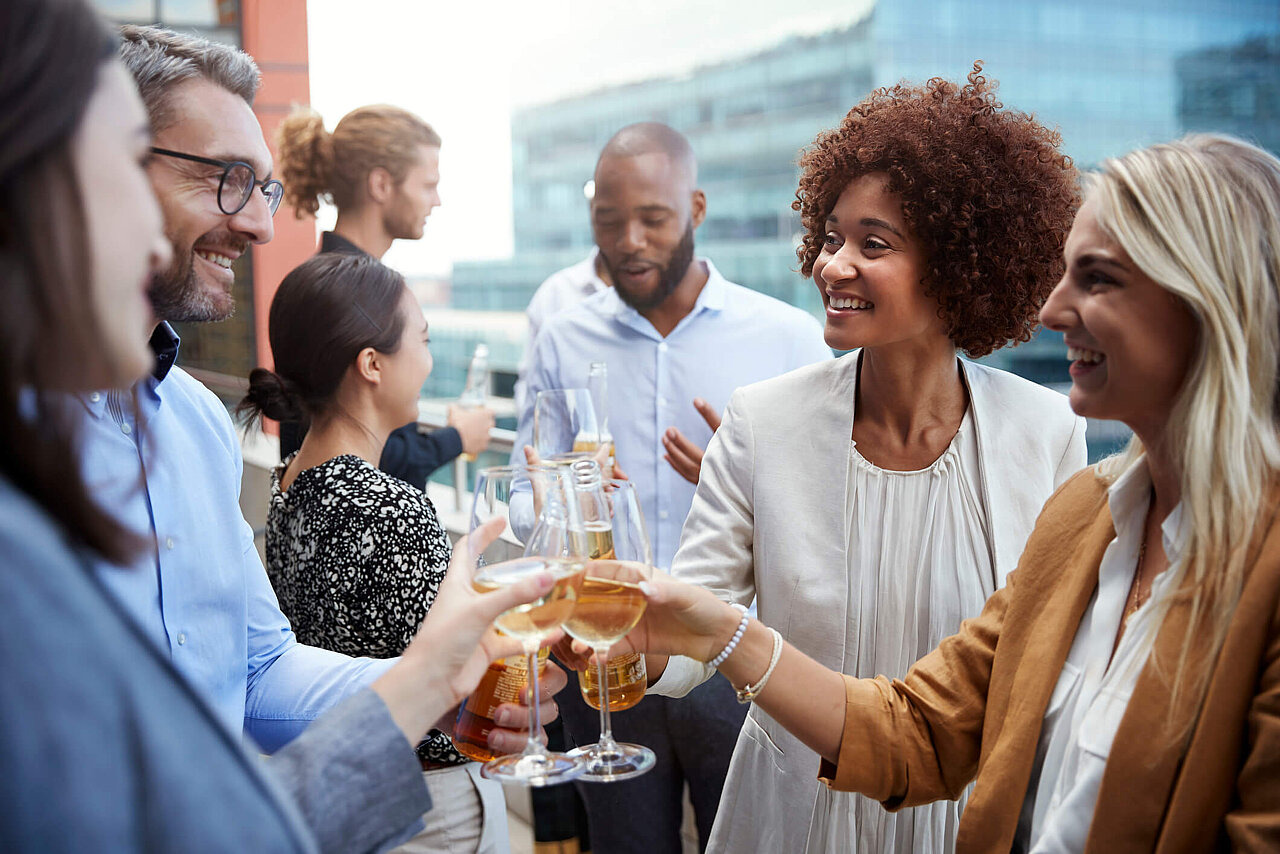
(272, 396)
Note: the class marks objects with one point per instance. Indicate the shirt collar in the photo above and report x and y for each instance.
(164, 344)
(1129, 499)
(591, 281)
(331, 241)
(712, 298)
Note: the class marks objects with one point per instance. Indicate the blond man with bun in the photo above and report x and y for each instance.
(380, 167)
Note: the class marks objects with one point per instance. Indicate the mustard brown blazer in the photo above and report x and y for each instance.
(974, 706)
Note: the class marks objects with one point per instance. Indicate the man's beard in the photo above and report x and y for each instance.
(176, 294)
(669, 277)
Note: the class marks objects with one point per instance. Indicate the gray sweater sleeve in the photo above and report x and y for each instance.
(354, 777)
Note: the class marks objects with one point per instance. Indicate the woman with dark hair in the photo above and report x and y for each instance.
(356, 555)
(935, 221)
(104, 746)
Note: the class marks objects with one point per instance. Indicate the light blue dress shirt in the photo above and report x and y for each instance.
(169, 468)
(734, 336)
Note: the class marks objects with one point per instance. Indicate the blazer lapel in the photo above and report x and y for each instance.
(1042, 625)
(1142, 759)
(995, 499)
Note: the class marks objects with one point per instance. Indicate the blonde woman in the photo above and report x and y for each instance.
(1122, 691)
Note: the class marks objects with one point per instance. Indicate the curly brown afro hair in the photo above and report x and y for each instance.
(985, 191)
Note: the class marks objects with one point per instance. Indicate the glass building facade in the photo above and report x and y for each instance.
(1112, 76)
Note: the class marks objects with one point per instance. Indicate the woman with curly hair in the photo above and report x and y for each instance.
(935, 224)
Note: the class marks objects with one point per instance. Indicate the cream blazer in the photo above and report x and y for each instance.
(975, 706)
(768, 523)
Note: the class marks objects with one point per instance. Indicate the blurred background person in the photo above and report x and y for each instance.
(101, 727)
(670, 329)
(381, 168)
(935, 222)
(1119, 692)
(356, 555)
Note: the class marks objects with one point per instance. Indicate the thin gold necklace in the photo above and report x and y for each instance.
(1135, 595)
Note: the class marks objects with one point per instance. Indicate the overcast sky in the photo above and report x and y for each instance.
(462, 66)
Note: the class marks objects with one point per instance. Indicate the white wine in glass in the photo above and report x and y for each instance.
(534, 620)
(556, 546)
(610, 602)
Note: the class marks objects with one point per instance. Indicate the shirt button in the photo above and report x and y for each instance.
(168, 543)
(662, 401)
(182, 638)
(126, 429)
(662, 514)
(662, 347)
(95, 397)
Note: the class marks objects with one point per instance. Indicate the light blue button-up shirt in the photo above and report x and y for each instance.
(733, 337)
(169, 468)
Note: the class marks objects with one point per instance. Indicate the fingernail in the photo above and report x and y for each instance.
(504, 718)
(697, 401)
(646, 588)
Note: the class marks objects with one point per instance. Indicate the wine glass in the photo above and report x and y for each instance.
(609, 604)
(564, 421)
(555, 545)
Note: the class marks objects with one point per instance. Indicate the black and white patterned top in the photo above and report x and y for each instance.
(356, 557)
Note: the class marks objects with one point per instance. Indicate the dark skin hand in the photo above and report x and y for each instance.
(683, 455)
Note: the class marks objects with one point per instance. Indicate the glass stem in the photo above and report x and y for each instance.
(533, 747)
(606, 743)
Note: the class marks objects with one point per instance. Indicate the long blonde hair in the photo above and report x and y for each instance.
(317, 165)
(1201, 217)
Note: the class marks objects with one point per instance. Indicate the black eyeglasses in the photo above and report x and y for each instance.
(235, 187)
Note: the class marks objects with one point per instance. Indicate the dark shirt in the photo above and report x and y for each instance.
(409, 455)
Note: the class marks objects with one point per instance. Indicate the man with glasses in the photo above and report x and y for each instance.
(164, 458)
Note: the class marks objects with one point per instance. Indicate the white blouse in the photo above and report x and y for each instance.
(1094, 688)
(919, 564)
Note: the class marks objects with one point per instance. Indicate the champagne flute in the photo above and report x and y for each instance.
(609, 605)
(564, 421)
(556, 546)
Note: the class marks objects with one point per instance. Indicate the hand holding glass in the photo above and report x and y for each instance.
(554, 546)
(609, 605)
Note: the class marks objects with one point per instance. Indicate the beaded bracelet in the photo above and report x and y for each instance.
(748, 693)
(733, 642)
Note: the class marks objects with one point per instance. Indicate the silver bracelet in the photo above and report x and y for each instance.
(733, 642)
(748, 693)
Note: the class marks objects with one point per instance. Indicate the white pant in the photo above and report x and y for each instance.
(468, 815)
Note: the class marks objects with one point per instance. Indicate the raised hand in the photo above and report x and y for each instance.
(683, 455)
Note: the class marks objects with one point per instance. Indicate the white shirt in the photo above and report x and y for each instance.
(562, 289)
(1094, 687)
(918, 564)
(733, 336)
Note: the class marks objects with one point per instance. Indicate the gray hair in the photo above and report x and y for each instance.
(160, 59)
